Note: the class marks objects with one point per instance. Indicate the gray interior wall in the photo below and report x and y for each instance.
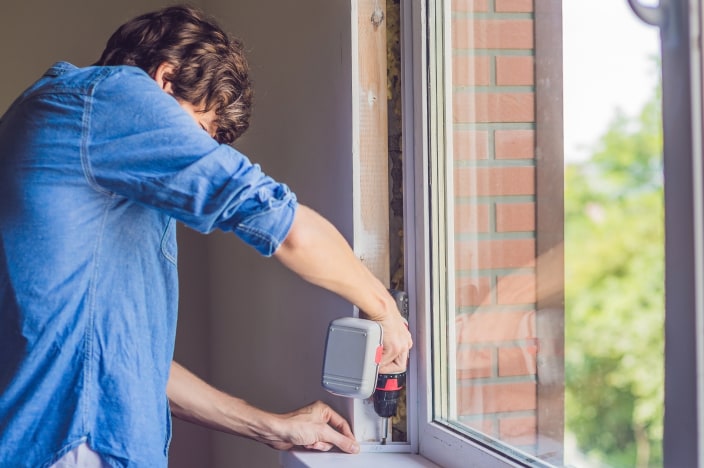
(268, 326)
(36, 33)
(245, 323)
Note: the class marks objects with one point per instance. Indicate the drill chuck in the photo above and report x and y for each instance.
(388, 392)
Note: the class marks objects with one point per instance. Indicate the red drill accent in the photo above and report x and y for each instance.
(391, 385)
(379, 352)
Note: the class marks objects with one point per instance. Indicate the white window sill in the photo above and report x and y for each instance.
(301, 459)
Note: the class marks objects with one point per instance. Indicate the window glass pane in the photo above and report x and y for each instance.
(614, 238)
(547, 263)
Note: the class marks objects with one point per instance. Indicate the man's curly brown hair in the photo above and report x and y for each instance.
(209, 67)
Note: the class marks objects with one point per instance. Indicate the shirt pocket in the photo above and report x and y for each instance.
(169, 248)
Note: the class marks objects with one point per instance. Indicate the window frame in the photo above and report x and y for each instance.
(435, 441)
(684, 181)
(681, 41)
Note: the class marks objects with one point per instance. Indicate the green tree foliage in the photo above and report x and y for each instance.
(614, 280)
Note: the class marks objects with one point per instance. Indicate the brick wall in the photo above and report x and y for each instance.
(493, 103)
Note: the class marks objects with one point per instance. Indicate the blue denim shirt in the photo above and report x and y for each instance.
(96, 165)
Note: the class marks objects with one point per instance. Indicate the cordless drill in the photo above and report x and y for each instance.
(389, 386)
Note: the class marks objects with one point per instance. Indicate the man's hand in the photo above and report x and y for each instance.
(397, 342)
(315, 426)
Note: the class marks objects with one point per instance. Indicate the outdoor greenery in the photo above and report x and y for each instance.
(614, 280)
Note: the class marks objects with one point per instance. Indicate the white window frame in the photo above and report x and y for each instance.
(434, 441)
(684, 182)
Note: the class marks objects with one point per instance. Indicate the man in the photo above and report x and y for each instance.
(96, 164)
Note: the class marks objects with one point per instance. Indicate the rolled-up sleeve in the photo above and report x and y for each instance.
(141, 145)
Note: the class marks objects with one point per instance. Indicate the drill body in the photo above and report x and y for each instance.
(389, 386)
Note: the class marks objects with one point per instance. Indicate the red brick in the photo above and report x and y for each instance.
(462, 6)
(475, 363)
(496, 398)
(494, 327)
(471, 70)
(516, 289)
(494, 181)
(486, 426)
(471, 218)
(514, 144)
(514, 6)
(469, 33)
(472, 291)
(488, 254)
(517, 361)
(515, 217)
(518, 431)
(471, 107)
(515, 71)
(470, 145)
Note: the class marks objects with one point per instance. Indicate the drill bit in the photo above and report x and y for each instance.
(384, 430)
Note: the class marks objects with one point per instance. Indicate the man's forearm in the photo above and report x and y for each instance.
(315, 426)
(316, 251)
(194, 400)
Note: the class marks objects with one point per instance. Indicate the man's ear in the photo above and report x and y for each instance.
(161, 76)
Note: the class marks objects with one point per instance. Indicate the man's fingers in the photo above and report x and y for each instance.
(344, 443)
(322, 428)
(340, 423)
(397, 345)
(393, 364)
(321, 446)
(339, 432)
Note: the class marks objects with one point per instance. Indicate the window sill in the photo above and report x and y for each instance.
(301, 459)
